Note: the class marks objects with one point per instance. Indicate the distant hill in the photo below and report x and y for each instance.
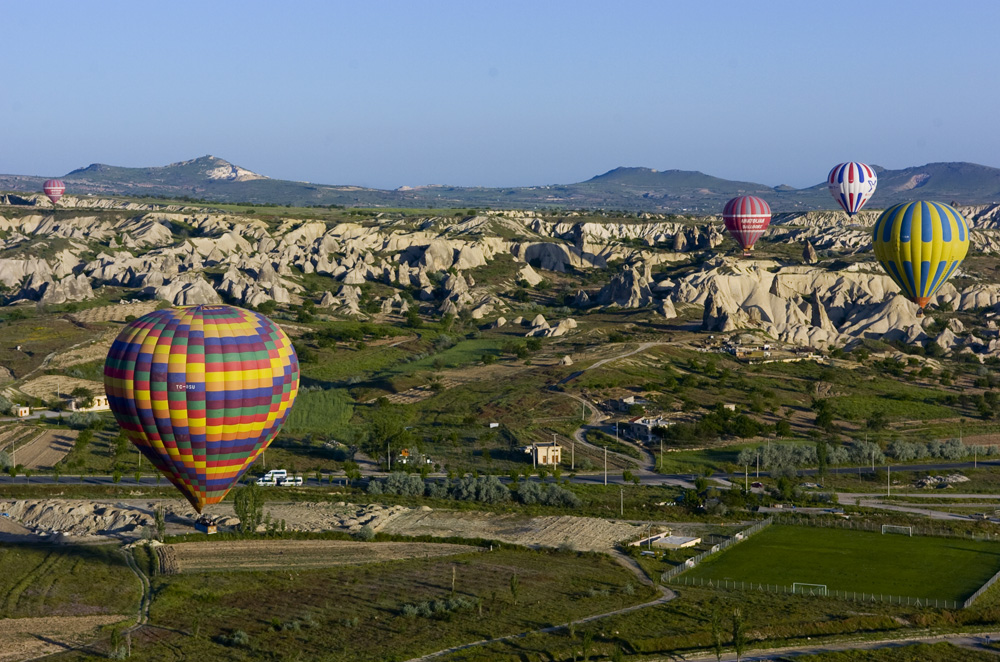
(632, 189)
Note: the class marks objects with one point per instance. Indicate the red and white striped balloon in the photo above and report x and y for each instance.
(54, 188)
(852, 184)
(746, 218)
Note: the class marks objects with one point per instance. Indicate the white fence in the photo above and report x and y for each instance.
(729, 542)
(843, 595)
(982, 589)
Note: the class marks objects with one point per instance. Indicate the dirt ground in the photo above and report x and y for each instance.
(127, 518)
(47, 449)
(96, 350)
(28, 638)
(48, 387)
(580, 533)
(281, 554)
(116, 313)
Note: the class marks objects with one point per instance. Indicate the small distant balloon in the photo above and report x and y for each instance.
(746, 218)
(920, 244)
(54, 189)
(852, 184)
(201, 391)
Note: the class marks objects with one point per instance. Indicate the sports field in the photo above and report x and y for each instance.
(845, 560)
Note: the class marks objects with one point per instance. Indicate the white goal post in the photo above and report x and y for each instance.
(808, 589)
(894, 528)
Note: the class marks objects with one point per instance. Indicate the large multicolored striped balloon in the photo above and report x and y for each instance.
(54, 189)
(920, 244)
(852, 185)
(746, 218)
(201, 391)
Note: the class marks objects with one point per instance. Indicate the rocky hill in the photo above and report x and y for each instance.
(815, 282)
(639, 189)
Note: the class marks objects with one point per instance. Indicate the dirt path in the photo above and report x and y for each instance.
(47, 449)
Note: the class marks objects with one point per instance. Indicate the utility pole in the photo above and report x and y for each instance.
(758, 464)
(746, 478)
(623, 500)
(572, 453)
(888, 487)
(388, 456)
(661, 453)
(605, 465)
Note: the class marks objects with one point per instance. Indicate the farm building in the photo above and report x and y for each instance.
(545, 453)
(641, 428)
(21, 412)
(666, 541)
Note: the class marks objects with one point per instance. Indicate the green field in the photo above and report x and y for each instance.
(71, 580)
(919, 567)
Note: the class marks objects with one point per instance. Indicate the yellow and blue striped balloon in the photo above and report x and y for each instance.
(920, 244)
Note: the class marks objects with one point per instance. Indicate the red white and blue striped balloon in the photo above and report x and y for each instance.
(54, 189)
(746, 218)
(852, 185)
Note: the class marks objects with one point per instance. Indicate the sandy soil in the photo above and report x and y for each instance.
(581, 533)
(50, 447)
(280, 554)
(49, 387)
(126, 518)
(28, 638)
(115, 313)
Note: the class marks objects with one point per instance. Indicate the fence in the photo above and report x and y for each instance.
(843, 595)
(876, 527)
(718, 547)
(982, 589)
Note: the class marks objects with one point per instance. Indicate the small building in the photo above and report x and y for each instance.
(545, 453)
(641, 428)
(676, 542)
(21, 412)
(626, 404)
(100, 404)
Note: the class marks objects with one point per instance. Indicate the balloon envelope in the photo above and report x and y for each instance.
(201, 391)
(852, 184)
(746, 218)
(54, 189)
(920, 244)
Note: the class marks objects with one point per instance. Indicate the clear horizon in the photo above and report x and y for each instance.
(390, 94)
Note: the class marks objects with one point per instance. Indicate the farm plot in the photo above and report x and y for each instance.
(50, 387)
(580, 533)
(284, 554)
(920, 566)
(47, 449)
(28, 638)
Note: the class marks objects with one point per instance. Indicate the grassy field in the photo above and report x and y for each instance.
(65, 581)
(845, 560)
(923, 652)
(361, 613)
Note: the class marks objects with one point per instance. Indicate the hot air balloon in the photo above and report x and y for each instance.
(54, 188)
(746, 218)
(852, 185)
(920, 244)
(201, 391)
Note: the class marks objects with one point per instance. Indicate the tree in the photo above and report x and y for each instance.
(585, 643)
(877, 421)
(783, 429)
(821, 458)
(515, 588)
(248, 502)
(717, 632)
(739, 633)
(159, 521)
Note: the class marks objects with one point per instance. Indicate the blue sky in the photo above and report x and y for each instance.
(387, 94)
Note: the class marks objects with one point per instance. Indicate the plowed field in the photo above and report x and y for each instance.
(283, 554)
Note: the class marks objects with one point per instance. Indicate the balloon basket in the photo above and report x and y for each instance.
(747, 254)
(205, 525)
